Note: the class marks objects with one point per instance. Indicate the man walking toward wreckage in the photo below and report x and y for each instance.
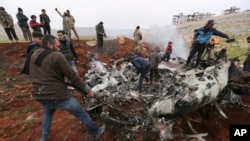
(48, 67)
(201, 39)
(67, 49)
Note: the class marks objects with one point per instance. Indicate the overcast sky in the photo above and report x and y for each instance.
(120, 14)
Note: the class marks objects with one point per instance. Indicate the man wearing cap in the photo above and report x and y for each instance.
(45, 21)
(7, 22)
(201, 39)
(100, 33)
(23, 24)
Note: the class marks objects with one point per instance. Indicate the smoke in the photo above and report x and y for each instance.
(160, 36)
(157, 36)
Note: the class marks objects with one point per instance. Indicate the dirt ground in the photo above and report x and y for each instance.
(20, 115)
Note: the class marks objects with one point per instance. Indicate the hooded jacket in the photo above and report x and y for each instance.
(48, 79)
(155, 58)
(139, 63)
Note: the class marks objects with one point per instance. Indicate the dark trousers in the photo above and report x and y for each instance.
(142, 76)
(196, 48)
(166, 56)
(152, 73)
(100, 43)
(46, 29)
(11, 33)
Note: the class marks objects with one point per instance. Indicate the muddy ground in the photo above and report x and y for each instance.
(20, 115)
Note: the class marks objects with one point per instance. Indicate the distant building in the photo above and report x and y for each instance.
(197, 16)
(231, 10)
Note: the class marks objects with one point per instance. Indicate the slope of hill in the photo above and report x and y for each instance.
(235, 25)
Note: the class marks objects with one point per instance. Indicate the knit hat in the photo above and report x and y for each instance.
(19, 9)
(2, 8)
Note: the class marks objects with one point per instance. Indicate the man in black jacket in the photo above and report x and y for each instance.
(45, 21)
(67, 49)
(34, 45)
(23, 23)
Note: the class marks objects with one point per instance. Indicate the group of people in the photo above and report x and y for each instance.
(50, 60)
(6, 21)
(201, 43)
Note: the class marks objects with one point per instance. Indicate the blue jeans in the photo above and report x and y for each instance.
(73, 65)
(71, 105)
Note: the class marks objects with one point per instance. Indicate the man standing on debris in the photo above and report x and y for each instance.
(100, 33)
(7, 22)
(137, 36)
(48, 67)
(23, 24)
(168, 51)
(34, 44)
(67, 49)
(201, 39)
(154, 59)
(45, 21)
(246, 64)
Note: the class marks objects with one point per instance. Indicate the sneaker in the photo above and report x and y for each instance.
(101, 131)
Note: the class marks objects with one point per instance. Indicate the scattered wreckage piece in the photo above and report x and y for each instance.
(179, 92)
(209, 83)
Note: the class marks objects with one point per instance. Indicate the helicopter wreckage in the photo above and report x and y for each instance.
(178, 92)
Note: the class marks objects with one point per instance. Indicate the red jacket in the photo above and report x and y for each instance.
(169, 49)
(35, 26)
